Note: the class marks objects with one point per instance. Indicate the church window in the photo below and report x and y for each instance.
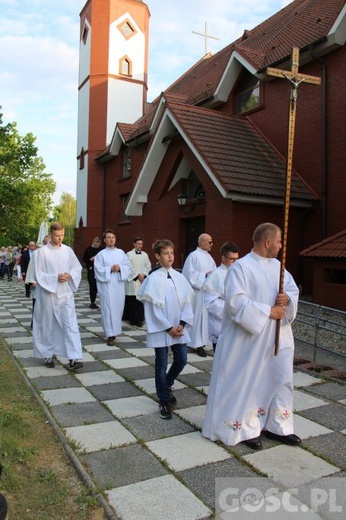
(127, 29)
(81, 159)
(125, 66)
(336, 276)
(124, 201)
(195, 189)
(127, 162)
(247, 93)
(85, 34)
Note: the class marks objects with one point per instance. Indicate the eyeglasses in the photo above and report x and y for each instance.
(231, 259)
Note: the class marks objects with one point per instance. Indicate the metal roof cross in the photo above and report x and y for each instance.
(206, 36)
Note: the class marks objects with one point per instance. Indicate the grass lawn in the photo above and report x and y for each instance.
(38, 479)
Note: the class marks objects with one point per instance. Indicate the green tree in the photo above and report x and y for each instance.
(26, 190)
(65, 213)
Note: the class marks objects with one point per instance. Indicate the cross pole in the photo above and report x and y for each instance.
(206, 36)
(295, 79)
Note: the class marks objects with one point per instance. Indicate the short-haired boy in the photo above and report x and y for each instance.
(167, 297)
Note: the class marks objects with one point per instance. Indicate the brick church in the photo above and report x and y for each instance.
(209, 154)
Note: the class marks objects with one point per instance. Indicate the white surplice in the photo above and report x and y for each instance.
(140, 265)
(55, 326)
(196, 265)
(214, 299)
(167, 301)
(250, 388)
(111, 287)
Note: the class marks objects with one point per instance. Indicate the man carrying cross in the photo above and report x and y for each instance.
(251, 390)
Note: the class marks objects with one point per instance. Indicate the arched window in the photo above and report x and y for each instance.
(125, 66)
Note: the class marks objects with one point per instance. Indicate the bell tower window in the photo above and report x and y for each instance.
(127, 29)
(125, 66)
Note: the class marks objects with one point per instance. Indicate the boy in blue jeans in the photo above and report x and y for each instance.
(167, 298)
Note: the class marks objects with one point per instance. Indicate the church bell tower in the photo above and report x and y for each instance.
(112, 87)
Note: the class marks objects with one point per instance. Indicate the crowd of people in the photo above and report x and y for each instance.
(234, 307)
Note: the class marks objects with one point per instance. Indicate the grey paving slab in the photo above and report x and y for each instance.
(206, 365)
(187, 451)
(151, 427)
(29, 361)
(42, 371)
(101, 377)
(131, 343)
(143, 501)
(305, 428)
(131, 406)
(49, 383)
(304, 401)
(201, 480)
(92, 366)
(21, 340)
(122, 466)
(111, 354)
(304, 379)
(137, 372)
(194, 415)
(128, 362)
(331, 446)
(332, 416)
(333, 391)
(67, 395)
(197, 379)
(78, 414)
(114, 391)
(13, 331)
(100, 436)
(327, 496)
(187, 397)
(296, 466)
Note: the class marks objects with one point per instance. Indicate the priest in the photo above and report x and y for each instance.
(196, 268)
(112, 268)
(251, 390)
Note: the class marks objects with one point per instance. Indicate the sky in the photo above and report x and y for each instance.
(39, 43)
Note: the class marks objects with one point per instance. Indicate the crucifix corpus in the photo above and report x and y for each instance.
(294, 79)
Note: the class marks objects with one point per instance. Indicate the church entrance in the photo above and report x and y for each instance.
(193, 228)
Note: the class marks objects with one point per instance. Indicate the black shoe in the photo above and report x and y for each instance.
(291, 440)
(255, 443)
(111, 341)
(75, 364)
(49, 362)
(172, 399)
(93, 306)
(201, 352)
(165, 410)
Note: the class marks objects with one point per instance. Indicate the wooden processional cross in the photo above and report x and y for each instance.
(295, 79)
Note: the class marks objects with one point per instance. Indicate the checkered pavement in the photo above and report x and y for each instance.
(147, 468)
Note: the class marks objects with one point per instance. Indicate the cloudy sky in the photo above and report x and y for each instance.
(39, 42)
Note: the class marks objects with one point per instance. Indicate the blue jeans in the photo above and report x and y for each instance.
(164, 380)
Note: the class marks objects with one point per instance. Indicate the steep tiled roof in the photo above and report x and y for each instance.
(332, 247)
(300, 23)
(239, 157)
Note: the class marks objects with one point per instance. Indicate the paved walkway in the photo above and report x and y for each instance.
(147, 468)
